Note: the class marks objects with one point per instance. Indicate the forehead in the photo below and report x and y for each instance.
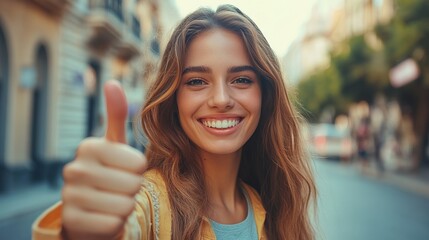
(217, 46)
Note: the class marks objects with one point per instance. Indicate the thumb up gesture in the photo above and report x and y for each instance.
(101, 182)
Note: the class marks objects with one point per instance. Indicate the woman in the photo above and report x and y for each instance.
(225, 159)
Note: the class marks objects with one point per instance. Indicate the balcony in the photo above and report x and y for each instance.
(106, 20)
(113, 7)
(52, 7)
(131, 42)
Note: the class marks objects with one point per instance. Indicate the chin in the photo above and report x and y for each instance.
(220, 150)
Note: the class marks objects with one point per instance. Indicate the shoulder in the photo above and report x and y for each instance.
(154, 189)
(154, 177)
(153, 204)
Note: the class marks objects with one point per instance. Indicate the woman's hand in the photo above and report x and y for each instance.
(101, 182)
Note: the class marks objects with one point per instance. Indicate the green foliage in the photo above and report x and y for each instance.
(408, 30)
(319, 91)
(351, 77)
(353, 65)
(407, 36)
(358, 71)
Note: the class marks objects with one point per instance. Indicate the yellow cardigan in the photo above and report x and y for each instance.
(152, 225)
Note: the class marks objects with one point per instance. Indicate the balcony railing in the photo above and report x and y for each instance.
(112, 6)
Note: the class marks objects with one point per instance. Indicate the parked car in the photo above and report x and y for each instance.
(330, 141)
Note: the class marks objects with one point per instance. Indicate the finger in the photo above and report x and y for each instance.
(93, 200)
(103, 178)
(112, 154)
(117, 110)
(124, 157)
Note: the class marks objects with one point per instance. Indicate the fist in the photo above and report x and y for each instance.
(101, 182)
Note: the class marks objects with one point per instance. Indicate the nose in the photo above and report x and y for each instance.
(220, 97)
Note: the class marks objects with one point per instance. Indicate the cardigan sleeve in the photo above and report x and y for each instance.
(48, 225)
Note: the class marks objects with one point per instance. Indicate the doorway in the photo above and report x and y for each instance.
(4, 83)
(93, 81)
(40, 112)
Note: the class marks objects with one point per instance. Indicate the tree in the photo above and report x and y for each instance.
(361, 69)
(407, 36)
(319, 91)
(356, 73)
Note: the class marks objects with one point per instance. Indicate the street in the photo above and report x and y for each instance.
(19, 227)
(351, 207)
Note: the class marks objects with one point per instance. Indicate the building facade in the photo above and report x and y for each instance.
(328, 26)
(54, 58)
(310, 50)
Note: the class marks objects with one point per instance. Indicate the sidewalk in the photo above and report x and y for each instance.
(415, 182)
(24, 201)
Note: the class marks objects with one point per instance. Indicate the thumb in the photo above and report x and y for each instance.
(117, 110)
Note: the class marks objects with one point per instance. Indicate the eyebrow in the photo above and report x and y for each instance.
(198, 69)
(204, 69)
(241, 69)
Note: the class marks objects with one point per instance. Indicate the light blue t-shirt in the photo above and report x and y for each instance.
(245, 230)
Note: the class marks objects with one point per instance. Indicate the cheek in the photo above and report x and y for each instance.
(253, 101)
(256, 107)
(187, 105)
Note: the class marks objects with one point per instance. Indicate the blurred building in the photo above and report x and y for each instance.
(310, 51)
(54, 58)
(330, 23)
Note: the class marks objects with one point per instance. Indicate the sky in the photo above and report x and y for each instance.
(279, 20)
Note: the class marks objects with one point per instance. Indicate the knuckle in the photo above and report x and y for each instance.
(66, 172)
(136, 184)
(65, 194)
(87, 146)
(141, 163)
(71, 219)
(70, 195)
(74, 171)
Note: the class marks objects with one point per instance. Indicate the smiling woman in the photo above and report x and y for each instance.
(224, 160)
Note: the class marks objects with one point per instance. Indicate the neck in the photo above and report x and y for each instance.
(221, 172)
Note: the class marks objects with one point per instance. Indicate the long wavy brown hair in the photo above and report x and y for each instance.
(274, 160)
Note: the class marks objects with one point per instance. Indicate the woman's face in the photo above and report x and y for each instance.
(219, 97)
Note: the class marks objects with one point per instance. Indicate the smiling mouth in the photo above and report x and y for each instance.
(221, 123)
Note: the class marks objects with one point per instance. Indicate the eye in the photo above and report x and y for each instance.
(195, 82)
(242, 80)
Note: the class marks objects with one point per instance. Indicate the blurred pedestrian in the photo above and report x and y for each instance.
(407, 142)
(224, 161)
(363, 142)
(378, 131)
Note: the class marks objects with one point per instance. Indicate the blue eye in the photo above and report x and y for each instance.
(195, 82)
(242, 80)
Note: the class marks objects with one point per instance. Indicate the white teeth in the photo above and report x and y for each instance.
(220, 124)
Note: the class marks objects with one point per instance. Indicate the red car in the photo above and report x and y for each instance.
(330, 141)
